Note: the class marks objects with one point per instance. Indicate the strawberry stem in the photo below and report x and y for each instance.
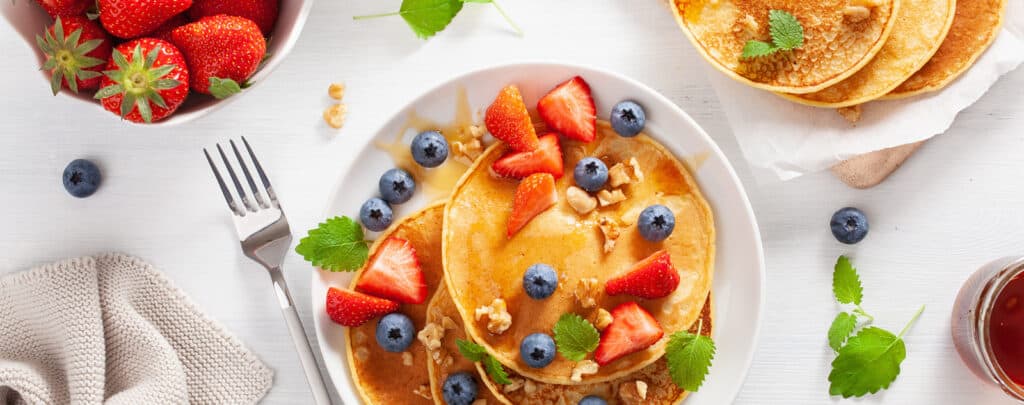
(366, 17)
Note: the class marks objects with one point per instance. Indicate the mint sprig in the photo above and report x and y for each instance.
(689, 358)
(870, 360)
(575, 337)
(337, 244)
(786, 32)
(477, 354)
(428, 17)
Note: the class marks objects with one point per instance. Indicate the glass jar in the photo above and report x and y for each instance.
(979, 324)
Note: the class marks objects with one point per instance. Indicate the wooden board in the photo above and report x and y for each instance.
(869, 170)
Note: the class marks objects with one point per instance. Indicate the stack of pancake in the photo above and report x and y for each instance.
(854, 51)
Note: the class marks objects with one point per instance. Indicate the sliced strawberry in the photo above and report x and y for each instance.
(547, 158)
(632, 329)
(569, 109)
(534, 195)
(508, 120)
(653, 277)
(350, 308)
(394, 273)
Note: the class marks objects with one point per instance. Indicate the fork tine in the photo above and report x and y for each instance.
(223, 187)
(263, 175)
(234, 178)
(248, 177)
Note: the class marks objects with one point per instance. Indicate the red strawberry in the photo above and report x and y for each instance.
(350, 308)
(547, 158)
(534, 195)
(653, 277)
(261, 12)
(145, 81)
(394, 273)
(76, 51)
(569, 109)
(508, 120)
(164, 31)
(222, 52)
(632, 329)
(65, 8)
(135, 18)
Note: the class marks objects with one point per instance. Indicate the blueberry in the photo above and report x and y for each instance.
(375, 214)
(81, 178)
(429, 149)
(395, 332)
(590, 174)
(537, 350)
(459, 389)
(849, 225)
(656, 223)
(628, 118)
(592, 400)
(540, 281)
(396, 186)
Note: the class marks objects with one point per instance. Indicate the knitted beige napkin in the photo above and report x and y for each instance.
(111, 329)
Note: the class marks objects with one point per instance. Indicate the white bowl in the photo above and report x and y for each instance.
(29, 19)
(738, 286)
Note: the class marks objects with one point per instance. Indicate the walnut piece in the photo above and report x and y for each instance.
(529, 387)
(851, 113)
(856, 14)
(618, 176)
(580, 200)
(423, 391)
(602, 319)
(610, 229)
(406, 359)
(335, 115)
(499, 320)
(606, 197)
(582, 368)
(431, 336)
(586, 292)
(638, 175)
(336, 91)
(641, 388)
(513, 385)
(467, 152)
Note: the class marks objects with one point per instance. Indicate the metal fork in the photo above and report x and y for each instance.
(263, 230)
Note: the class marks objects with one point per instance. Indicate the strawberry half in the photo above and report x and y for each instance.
(261, 12)
(508, 120)
(653, 277)
(534, 195)
(547, 158)
(146, 80)
(76, 50)
(632, 329)
(569, 109)
(394, 273)
(350, 308)
(222, 52)
(135, 18)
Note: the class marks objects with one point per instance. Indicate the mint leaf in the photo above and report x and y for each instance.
(575, 337)
(869, 362)
(754, 49)
(496, 371)
(428, 17)
(336, 245)
(689, 357)
(786, 31)
(846, 283)
(841, 328)
(471, 351)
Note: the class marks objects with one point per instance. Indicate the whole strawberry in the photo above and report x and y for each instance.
(261, 12)
(222, 52)
(65, 8)
(164, 30)
(135, 18)
(76, 50)
(146, 80)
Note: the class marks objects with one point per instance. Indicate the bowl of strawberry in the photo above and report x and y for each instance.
(157, 62)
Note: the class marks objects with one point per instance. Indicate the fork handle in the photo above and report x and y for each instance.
(291, 317)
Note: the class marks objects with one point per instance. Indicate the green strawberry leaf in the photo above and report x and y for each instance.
(223, 88)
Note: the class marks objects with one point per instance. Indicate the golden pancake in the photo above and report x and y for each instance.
(382, 377)
(975, 26)
(482, 264)
(836, 45)
(921, 25)
(623, 390)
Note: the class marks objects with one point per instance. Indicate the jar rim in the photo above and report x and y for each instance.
(987, 299)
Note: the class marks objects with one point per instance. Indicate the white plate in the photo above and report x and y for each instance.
(739, 275)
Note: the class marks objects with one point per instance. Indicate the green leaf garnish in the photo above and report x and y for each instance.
(689, 357)
(223, 88)
(786, 32)
(477, 354)
(496, 371)
(335, 245)
(846, 283)
(842, 327)
(471, 351)
(428, 17)
(869, 361)
(575, 337)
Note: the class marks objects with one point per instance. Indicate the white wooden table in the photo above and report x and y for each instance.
(951, 208)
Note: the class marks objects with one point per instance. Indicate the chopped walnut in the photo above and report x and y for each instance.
(582, 368)
(448, 323)
(467, 152)
(359, 337)
(633, 392)
(579, 200)
(612, 197)
(335, 115)
(513, 385)
(586, 292)
(497, 314)
(362, 354)
(529, 387)
(851, 113)
(638, 175)
(641, 388)
(431, 336)
(610, 230)
(618, 176)
(602, 319)
(336, 91)
(423, 391)
(406, 359)
(856, 13)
